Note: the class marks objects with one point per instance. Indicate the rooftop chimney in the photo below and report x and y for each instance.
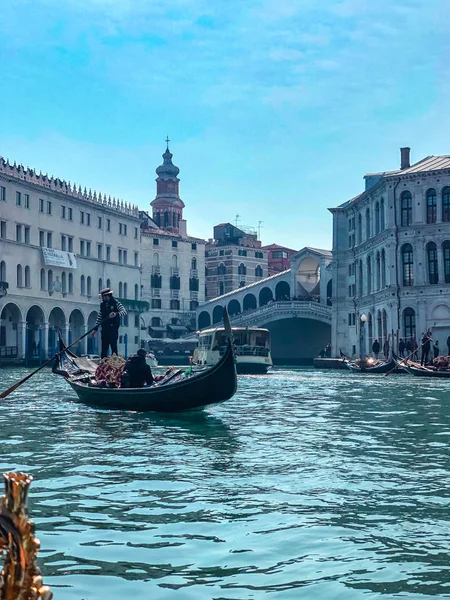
(405, 158)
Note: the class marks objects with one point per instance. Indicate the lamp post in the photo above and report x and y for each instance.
(362, 340)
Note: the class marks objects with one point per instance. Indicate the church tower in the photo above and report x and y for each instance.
(167, 206)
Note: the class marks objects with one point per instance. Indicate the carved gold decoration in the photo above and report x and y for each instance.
(20, 578)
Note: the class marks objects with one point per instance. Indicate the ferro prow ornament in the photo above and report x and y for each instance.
(20, 578)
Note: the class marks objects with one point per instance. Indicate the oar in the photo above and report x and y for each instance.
(19, 383)
(404, 360)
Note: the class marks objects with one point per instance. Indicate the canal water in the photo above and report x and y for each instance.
(305, 485)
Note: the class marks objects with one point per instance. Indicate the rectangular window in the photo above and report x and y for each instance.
(3, 229)
(99, 222)
(446, 204)
(88, 248)
(18, 233)
(88, 219)
(446, 250)
(124, 230)
(108, 224)
(27, 235)
(100, 251)
(70, 244)
(108, 253)
(70, 213)
(41, 205)
(193, 246)
(174, 244)
(26, 200)
(49, 240)
(156, 302)
(349, 241)
(63, 243)
(2, 193)
(18, 198)
(135, 233)
(63, 212)
(125, 257)
(242, 252)
(49, 208)
(120, 255)
(120, 228)
(82, 248)
(81, 217)
(155, 242)
(136, 259)
(42, 239)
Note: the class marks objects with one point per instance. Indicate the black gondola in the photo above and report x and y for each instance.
(205, 387)
(414, 368)
(383, 367)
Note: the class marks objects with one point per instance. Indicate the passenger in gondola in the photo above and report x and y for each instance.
(414, 348)
(376, 348)
(408, 347)
(137, 372)
(401, 347)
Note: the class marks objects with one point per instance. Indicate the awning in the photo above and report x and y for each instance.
(157, 328)
(177, 328)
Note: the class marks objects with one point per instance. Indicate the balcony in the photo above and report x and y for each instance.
(175, 294)
(135, 305)
(156, 292)
(194, 295)
(194, 273)
(175, 272)
(156, 270)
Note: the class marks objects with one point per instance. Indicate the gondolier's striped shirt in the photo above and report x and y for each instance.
(120, 309)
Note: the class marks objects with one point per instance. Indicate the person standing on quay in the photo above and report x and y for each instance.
(109, 317)
(376, 348)
(426, 347)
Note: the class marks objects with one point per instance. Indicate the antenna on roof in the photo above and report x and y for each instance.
(260, 226)
(237, 219)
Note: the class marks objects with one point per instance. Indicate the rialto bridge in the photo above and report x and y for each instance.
(295, 305)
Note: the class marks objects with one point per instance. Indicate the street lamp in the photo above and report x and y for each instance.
(362, 341)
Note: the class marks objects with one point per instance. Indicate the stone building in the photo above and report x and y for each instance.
(391, 257)
(173, 263)
(278, 258)
(233, 259)
(59, 246)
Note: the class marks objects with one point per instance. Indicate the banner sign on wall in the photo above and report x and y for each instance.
(59, 258)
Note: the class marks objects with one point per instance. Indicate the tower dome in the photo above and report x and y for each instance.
(167, 206)
(167, 170)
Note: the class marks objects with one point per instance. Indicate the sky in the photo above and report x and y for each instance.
(275, 108)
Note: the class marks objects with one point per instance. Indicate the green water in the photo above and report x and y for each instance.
(306, 484)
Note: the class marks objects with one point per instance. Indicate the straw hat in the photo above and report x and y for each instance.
(105, 292)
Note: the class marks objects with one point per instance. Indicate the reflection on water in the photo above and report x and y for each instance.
(307, 484)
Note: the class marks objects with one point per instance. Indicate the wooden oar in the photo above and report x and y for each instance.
(406, 358)
(19, 383)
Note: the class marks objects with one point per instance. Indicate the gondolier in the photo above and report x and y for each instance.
(109, 317)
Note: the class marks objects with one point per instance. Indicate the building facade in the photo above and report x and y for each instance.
(391, 258)
(59, 246)
(278, 258)
(234, 259)
(173, 263)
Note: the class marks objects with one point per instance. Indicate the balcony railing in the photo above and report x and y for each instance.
(156, 270)
(194, 295)
(194, 272)
(175, 271)
(175, 294)
(135, 305)
(156, 292)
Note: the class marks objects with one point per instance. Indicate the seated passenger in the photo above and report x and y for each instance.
(137, 372)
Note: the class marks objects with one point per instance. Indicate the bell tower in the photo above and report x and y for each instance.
(167, 206)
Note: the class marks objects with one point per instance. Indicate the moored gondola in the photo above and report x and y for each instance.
(414, 368)
(202, 388)
(370, 365)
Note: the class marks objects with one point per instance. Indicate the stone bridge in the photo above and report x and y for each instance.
(295, 305)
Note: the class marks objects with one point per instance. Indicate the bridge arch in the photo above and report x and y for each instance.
(234, 307)
(204, 319)
(282, 290)
(249, 302)
(265, 296)
(217, 314)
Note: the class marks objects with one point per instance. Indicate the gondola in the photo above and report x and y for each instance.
(383, 367)
(418, 370)
(202, 388)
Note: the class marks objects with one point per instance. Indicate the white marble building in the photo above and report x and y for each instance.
(173, 263)
(96, 241)
(391, 257)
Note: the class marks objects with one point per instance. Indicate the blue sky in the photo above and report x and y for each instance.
(275, 108)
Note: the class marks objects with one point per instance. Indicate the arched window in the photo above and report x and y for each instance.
(406, 208)
(221, 288)
(64, 282)
(432, 259)
(359, 230)
(385, 326)
(382, 217)
(50, 280)
(19, 276)
(194, 263)
(378, 272)
(377, 218)
(221, 270)
(120, 289)
(108, 283)
(156, 259)
(369, 275)
(370, 330)
(83, 285)
(70, 283)
(360, 279)
(166, 219)
(125, 290)
(383, 269)
(89, 286)
(409, 322)
(407, 265)
(446, 253)
(367, 223)
(156, 322)
(446, 204)
(242, 269)
(27, 277)
(136, 291)
(174, 261)
(431, 206)
(42, 279)
(379, 327)
(2, 271)
(258, 271)
(100, 284)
